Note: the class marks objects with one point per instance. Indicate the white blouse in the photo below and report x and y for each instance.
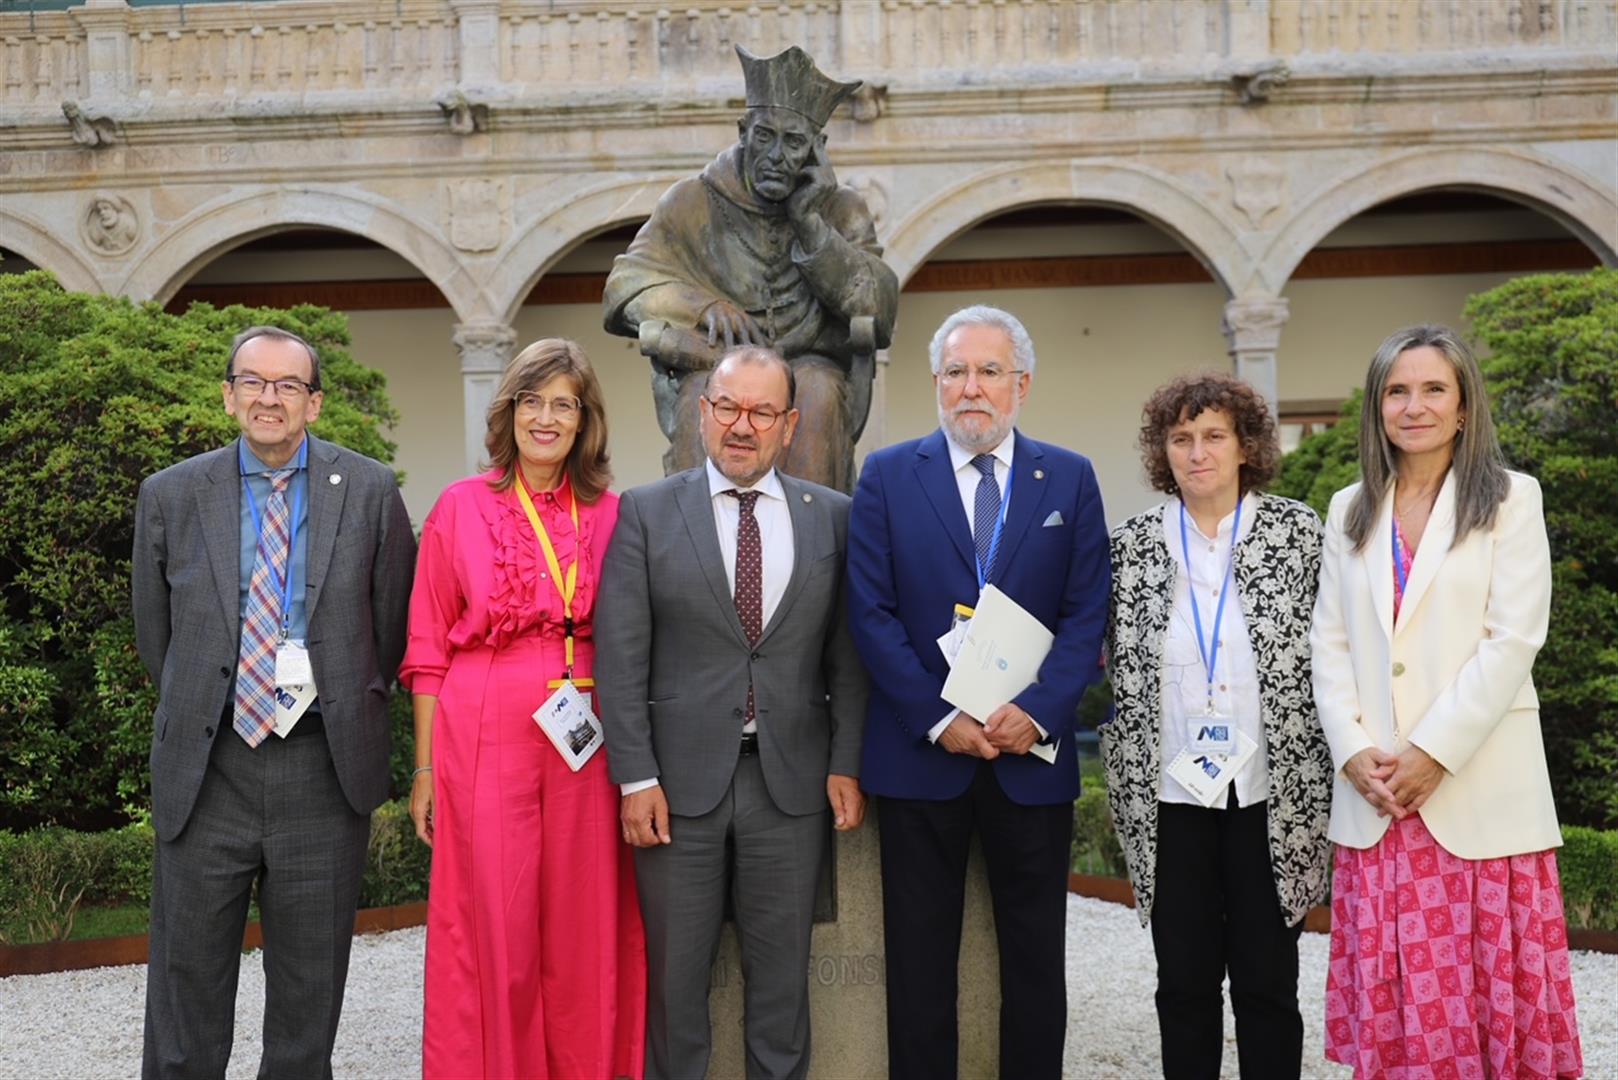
(1185, 679)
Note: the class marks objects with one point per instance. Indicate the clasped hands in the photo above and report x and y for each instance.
(1396, 784)
(1008, 730)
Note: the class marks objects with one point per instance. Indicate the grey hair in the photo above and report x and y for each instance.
(254, 332)
(1481, 483)
(1022, 346)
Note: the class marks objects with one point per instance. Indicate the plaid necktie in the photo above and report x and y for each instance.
(749, 576)
(261, 626)
(985, 511)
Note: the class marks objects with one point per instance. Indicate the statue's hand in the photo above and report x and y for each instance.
(815, 185)
(731, 325)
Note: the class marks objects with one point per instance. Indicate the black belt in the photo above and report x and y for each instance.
(749, 743)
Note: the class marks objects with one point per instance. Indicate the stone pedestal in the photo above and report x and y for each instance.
(847, 977)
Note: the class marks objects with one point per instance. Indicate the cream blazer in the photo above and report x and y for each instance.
(1452, 675)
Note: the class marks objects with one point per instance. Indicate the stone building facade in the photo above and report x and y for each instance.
(482, 141)
(480, 145)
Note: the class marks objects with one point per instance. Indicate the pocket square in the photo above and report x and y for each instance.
(1054, 520)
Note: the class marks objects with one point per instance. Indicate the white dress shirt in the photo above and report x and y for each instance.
(966, 482)
(1185, 679)
(775, 542)
(774, 532)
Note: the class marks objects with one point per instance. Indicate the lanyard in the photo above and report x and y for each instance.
(292, 531)
(1209, 658)
(994, 537)
(1399, 570)
(565, 586)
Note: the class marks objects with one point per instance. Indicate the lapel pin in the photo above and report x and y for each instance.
(334, 479)
(1039, 474)
(808, 497)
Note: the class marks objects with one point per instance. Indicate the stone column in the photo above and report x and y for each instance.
(1252, 326)
(486, 347)
(106, 35)
(479, 23)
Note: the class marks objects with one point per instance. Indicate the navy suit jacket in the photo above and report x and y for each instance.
(911, 559)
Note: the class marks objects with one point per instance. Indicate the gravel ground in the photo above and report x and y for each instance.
(87, 1024)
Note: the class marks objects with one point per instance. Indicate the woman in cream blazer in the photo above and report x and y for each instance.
(1449, 948)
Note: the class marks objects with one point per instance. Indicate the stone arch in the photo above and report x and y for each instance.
(37, 245)
(228, 223)
(542, 243)
(1152, 195)
(1556, 190)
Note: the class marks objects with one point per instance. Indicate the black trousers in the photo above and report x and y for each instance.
(924, 852)
(1216, 911)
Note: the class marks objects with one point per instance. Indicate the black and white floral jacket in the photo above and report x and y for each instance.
(1277, 573)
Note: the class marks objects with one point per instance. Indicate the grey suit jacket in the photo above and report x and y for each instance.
(673, 663)
(186, 579)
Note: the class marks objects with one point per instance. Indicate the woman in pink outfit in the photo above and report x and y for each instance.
(1448, 943)
(536, 960)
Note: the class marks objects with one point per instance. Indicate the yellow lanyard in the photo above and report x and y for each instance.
(567, 586)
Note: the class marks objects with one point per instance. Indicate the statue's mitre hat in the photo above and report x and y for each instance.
(790, 80)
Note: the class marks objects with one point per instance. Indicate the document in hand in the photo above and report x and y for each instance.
(1000, 659)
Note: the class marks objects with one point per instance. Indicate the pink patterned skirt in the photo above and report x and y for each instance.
(1447, 967)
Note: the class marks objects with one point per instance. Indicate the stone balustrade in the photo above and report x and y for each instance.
(300, 50)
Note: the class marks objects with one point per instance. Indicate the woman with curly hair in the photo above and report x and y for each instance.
(1217, 772)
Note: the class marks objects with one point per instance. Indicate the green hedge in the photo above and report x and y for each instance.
(1588, 861)
(48, 874)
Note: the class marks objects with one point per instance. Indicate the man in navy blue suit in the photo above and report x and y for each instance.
(933, 521)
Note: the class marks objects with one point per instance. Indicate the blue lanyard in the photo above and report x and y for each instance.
(1209, 657)
(292, 532)
(994, 538)
(1398, 559)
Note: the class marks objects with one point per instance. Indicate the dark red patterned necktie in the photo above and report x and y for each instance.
(749, 576)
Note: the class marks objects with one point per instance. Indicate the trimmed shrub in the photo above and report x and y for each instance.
(48, 874)
(1588, 863)
(97, 393)
(1095, 843)
(397, 864)
(1554, 376)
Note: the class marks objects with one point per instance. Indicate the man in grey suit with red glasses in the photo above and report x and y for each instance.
(733, 704)
(271, 579)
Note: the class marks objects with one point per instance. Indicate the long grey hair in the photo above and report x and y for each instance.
(1481, 483)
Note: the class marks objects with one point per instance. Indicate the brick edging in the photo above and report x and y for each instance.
(132, 948)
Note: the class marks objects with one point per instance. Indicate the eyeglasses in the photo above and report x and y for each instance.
(727, 412)
(989, 375)
(563, 406)
(253, 386)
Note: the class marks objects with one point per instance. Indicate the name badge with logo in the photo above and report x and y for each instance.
(1209, 733)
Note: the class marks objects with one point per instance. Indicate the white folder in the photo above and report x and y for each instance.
(999, 659)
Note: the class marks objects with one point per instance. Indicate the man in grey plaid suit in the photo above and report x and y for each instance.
(267, 573)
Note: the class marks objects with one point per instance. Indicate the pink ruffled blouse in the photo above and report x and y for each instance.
(481, 575)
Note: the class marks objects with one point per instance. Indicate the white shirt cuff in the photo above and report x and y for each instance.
(1043, 734)
(938, 729)
(636, 785)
